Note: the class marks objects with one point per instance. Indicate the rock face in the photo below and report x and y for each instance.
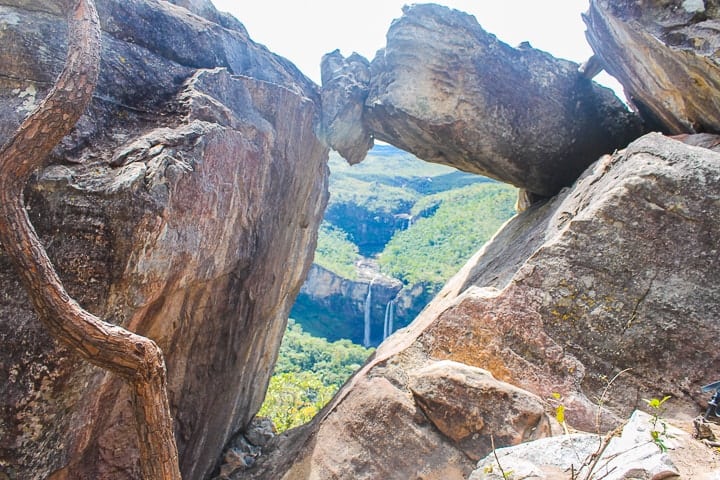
(618, 272)
(185, 207)
(449, 92)
(345, 88)
(665, 54)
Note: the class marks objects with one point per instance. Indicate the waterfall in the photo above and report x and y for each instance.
(368, 304)
(389, 317)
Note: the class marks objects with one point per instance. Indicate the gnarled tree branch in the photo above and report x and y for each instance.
(135, 358)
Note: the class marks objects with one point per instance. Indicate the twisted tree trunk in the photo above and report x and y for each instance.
(135, 358)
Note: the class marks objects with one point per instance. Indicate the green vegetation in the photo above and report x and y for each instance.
(332, 362)
(335, 252)
(368, 215)
(308, 372)
(372, 195)
(434, 248)
(293, 399)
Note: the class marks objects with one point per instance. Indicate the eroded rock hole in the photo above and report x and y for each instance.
(395, 230)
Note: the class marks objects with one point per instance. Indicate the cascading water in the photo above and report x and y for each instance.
(389, 317)
(368, 305)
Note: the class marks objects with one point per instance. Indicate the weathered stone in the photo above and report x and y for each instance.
(380, 434)
(260, 431)
(630, 455)
(346, 83)
(469, 406)
(451, 93)
(553, 458)
(665, 54)
(619, 272)
(185, 207)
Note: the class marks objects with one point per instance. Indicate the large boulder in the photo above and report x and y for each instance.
(620, 272)
(434, 424)
(345, 87)
(606, 293)
(473, 409)
(451, 93)
(666, 56)
(184, 206)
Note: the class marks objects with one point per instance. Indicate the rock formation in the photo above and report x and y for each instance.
(618, 272)
(184, 206)
(468, 405)
(630, 454)
(606, 292)
(345, 88)
(451, 93)
(665, 54)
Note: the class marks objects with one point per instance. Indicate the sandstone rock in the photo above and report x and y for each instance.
(665, 54)
(260, 431)
(245, 447)
(346, 83)
(618, 272)
(184, 206)
(451, 93)
(548, 458)
(380, 434)
(469, 406)
(631, 455)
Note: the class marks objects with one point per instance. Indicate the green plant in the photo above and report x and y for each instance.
(308, 372)
(659, 430)
(591, 462)
(506, 475)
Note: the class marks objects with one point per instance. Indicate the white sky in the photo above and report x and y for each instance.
(304, 31)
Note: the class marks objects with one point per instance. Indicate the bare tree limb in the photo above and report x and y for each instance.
(135, 358)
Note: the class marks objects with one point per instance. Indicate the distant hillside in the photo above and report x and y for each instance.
(394, 216)
(372, 200)
(439, 243)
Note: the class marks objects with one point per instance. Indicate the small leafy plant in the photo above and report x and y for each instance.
(659, 431)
